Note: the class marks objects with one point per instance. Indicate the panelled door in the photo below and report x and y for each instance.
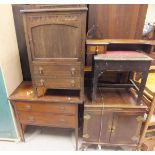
(54, 36)
(97, 127)
(126, 128)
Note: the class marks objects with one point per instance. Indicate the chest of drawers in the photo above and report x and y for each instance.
(50, 110)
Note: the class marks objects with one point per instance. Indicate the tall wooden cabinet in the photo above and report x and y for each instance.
(55, 37)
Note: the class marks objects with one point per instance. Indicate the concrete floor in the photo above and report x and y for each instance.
(45, 138)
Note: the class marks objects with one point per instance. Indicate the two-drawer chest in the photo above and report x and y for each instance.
(57, 110)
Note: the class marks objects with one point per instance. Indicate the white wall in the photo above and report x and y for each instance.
(9, 54)
(150, 16)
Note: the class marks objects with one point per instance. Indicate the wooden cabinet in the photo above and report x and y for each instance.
(112, 127)
(55, 37)
(114, 119)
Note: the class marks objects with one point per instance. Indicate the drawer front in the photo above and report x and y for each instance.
(47, 119)
(57, 83)
(57, 70)
(59, 108)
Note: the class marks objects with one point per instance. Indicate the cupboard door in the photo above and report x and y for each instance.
(54, 36)
(93, 126)
(126, 128)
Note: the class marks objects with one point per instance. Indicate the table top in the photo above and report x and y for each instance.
(112, 98)
(119, 41)
(123, 56)
(24, 92)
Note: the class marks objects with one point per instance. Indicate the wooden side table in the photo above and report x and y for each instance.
(121, 61)
(55, 110)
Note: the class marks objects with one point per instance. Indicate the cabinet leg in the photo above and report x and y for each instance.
(76, 138)
(84, 147)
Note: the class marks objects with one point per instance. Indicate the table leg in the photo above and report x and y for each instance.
(76, 128)
(95, 79)
(142, 86)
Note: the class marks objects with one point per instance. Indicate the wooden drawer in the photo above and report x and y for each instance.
(59, 108)
(57, 83)
(56, 70)
(48, 119)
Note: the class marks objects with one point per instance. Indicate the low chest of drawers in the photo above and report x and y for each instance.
(50, 110)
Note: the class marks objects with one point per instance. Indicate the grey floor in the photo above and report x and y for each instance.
(52, 139)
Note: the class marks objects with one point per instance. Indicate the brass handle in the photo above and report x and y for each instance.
(72, 71)
(97, 49)
(42, 82)
(62, 120)
(113, 129)
(41, 70)
(28, 107)
(73, 83)
(86, 136)
(31, 118)
(62, 109)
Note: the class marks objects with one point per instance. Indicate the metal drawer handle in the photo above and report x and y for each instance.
(72, 83)
(42, 82)
(41, 70)
(72, 71)
(28, 107)
(62, 109)
(62, 120)
(31, 118)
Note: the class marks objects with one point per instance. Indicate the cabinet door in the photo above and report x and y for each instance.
(96, 128)
(126, 128)
(54, 35)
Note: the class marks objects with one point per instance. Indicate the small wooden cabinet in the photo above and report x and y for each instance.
(113, 120)
(55, 38)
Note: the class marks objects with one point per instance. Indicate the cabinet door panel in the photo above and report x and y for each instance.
(54, 36)
(126, 128)
(94, 123)
(55, 41)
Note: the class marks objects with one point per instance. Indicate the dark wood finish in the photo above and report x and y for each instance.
(57, 110)
(111, 21)
(114, 119)
(56, 34)
(19, 26)
(127, 61)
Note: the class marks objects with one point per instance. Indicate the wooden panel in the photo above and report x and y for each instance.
(47, 119)
(126, 128)
(117, 21)
(45, 107)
